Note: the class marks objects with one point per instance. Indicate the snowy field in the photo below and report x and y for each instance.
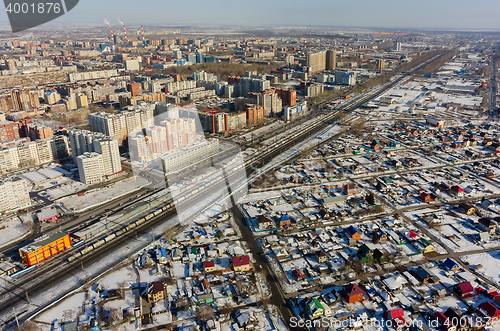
(76, 203)
(13, 228)
(490, 262)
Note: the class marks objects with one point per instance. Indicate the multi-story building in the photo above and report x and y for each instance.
(44, 248)
(9, 131)
(331, 59)
(14, 195)
(108, 148)
(188, 155)
(179, 85)
(269, 100)
(380, 64)
(90, 168)
(316, 61)
(120, 125)
(132, 65)
(249, 85)
(288, 97)
(397, 46)
(51, 97)
(291, 113)
(255, 114)
(82, 141)
(35, 132)
(81, 100)
(29, 154)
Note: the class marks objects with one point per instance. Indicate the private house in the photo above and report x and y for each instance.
(462, 324)
(352, 293)
(428, 247)
(457, 191)
(489, 310)
(155, 291)
(350, 189)
(321, 256)
(488, 224)
(204, 298)
(298, 274)
(284, 222)
(209, 266)
(375, 145)
(379, 256)
(464, 289)
(427, 197)
(241, 263)
(451, 265)
(353, 233)
(264, 222)
(314, 308)
(382, 236)
(397, 316)
(425, 275)
(444, 322)
(467, 208)
(365, 254)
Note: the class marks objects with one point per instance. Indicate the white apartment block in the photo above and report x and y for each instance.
(120, 125)
(90, 168)
(108, 148)
(14, 195)
(186, 156)
(33, 153)
(82, 141)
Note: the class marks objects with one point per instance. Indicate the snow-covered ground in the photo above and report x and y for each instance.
(103, 195)
(489, 261)
(14, 228)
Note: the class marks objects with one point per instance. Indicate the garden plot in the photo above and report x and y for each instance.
(485, 264)
(453, 239)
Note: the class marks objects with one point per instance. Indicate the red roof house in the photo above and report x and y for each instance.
(464, 289)
(487, 309)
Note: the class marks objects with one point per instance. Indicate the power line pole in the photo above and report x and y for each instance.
(15, 315)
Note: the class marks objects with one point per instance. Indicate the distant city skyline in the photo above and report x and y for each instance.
(424, 14)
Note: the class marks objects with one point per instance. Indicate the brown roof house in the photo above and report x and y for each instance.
(155, 291)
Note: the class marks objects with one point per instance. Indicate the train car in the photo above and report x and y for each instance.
(130, 226)
(86, 250)
(120, 232)
(142, 220)
(157, 212)
(110, 237)
(78, 243)
(21, 272)
(149, 216)
(98, 244)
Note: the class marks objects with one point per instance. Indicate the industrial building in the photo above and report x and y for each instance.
(44, 248)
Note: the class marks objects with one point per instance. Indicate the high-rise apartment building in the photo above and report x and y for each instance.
(81, 100)
(331, 59)
(14, 195)
(397, 46)
(51, 97)
(269, 100)
(316, 60)
(288, 97)
(90, 168)
(120, 125)
(108, 148)
(380, 64)
(82, 141)
(8, 131)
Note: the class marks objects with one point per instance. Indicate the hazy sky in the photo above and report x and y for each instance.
(443, 14)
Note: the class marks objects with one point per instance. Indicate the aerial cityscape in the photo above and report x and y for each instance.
(230, 177)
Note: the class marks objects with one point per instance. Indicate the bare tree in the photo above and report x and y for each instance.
(204, 313)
